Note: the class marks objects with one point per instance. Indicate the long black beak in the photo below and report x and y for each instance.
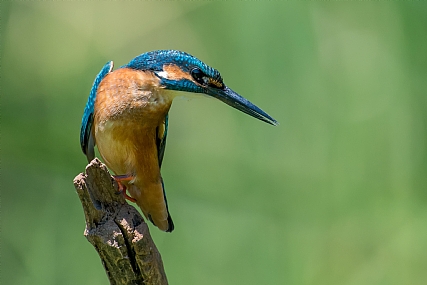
(234, 100)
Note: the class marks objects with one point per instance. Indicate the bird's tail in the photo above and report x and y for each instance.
(151, 198)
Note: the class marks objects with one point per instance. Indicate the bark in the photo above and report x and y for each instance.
(117, 230)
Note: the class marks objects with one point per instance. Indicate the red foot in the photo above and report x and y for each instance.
(122, 188)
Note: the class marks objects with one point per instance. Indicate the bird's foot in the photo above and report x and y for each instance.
(122, 187)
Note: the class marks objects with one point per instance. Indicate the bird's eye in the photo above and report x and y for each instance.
(199, 76)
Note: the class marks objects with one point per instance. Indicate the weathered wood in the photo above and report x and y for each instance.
(117, 230)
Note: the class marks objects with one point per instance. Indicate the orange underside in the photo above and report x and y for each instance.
(128, 110)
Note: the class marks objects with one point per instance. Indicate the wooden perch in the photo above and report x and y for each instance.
(117, 230)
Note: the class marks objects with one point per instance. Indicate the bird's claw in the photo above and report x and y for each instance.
(122, 187)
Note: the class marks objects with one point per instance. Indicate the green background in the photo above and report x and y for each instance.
(336, 194)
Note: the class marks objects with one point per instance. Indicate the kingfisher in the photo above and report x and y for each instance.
(126, 116)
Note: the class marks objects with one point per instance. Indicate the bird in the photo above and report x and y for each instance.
(126, 117)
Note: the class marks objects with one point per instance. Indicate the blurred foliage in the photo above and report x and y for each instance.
(336, 194)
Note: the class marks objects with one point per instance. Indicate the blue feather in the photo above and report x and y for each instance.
(86, 140)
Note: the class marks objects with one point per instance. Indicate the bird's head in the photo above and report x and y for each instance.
(180, 71)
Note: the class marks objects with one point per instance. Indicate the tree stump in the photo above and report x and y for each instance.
(117, 230)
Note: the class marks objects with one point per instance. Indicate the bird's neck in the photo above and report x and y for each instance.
(128, 94)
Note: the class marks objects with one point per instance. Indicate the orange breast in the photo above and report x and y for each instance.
(129, 107)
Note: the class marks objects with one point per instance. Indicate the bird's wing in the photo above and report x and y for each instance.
(162, 131)
(87, 141)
